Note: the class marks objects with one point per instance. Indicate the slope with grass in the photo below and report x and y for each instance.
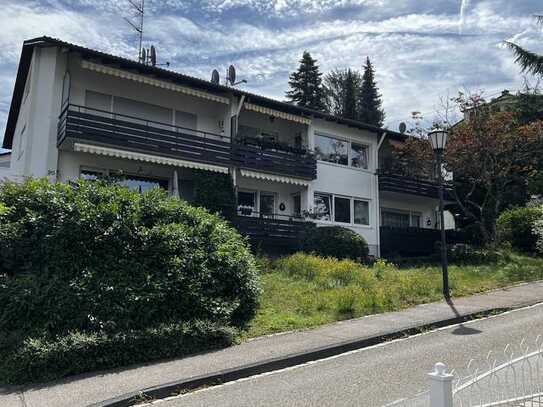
(302, 290)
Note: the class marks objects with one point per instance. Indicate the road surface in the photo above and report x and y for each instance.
(377, 375)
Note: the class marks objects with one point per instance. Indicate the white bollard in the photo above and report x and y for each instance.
(441, 386)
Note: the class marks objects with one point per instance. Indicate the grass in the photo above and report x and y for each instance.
(302, 291)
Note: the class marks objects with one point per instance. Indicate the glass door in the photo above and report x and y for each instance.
(267, 204)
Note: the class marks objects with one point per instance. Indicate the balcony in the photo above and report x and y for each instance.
(80, 123)
(280, 232)
(410, 242)
(394, 182)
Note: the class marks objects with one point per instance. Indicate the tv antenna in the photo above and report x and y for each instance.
(139, 8)
(231, 76)
(215, 77)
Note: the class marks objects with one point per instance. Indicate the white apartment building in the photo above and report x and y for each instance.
(78, 112)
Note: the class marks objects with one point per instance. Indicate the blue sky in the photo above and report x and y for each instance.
(422, 49)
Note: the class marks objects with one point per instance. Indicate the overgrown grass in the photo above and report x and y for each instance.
(302, 290)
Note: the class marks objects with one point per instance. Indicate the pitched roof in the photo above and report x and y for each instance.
(160, 73)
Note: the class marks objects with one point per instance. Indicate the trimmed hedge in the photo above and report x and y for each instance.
(41, 359)
(515, 228)
(336, 241)
(98, 259)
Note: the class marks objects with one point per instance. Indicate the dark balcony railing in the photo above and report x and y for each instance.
(275, 231)
(127, 132)
(409, 242)
(132, 133)
(393, 182)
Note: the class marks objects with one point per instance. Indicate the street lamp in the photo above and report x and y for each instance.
(438, 138)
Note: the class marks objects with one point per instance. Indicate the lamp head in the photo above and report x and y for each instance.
(438, 139)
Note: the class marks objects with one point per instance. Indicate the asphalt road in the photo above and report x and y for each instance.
(378, 375)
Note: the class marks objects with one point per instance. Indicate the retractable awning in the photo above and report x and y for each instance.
(155, 159)
(275, 178)
(277, 113)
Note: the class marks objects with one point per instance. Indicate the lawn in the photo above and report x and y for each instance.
(302, 291)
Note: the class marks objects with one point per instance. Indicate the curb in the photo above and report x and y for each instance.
(282, 362)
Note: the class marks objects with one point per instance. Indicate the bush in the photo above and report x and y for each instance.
(515, 228)
(39, 359)
(336, 241)
(215, 192)
(97, 258)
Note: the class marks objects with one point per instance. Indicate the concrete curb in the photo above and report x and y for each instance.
(269, 365)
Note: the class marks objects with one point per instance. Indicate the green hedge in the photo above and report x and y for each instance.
(98, 259)
(336, 241)
(41, 359)
(515, 228)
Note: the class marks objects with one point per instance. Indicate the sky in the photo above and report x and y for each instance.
(422, 50)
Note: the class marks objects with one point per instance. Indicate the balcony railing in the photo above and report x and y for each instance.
(135, 134)
(393, 182)
(409, 242)
(273, 229)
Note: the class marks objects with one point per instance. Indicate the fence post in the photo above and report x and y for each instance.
(441, 386)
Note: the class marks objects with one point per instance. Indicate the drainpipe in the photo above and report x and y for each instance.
(378, 205)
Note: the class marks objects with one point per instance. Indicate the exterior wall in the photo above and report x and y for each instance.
(34, 146)
(350, 182)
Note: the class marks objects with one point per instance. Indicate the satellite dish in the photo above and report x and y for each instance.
(152, 55)
(215, 77)
(403, 127)
(143, 55)
(232, 74)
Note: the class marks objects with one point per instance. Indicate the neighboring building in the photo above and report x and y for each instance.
(77, 112)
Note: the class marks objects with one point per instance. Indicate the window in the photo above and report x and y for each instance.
(297, 205)
(331, 150)
(322, 207)
(99, 101)
(361, 212)
(267, 204)
(142, 110)
(90, 174)
(359, 156)
(142, 184)
(341, 152)
(246, 202)
(186, 120)
(342, 210)
(400, 219)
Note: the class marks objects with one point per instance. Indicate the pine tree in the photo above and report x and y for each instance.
(529, 61)
(369, 100)
(306, 88)
(342, 88)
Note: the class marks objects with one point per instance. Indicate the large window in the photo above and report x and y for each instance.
(361, 212)
(341, 152)
(135, 182)
(400, 219)
(341, 209)
(331, 150)
(322, 206)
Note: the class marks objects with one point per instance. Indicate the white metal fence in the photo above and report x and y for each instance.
(512, 378)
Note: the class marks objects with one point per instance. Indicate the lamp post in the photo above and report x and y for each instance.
(438, 139)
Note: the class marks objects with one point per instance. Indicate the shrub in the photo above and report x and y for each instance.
(515, 228)
(215, 192)
(97, 258)
(39, 359)
(336, 241)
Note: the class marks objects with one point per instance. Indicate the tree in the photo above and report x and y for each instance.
(529, 61)
(342, 89)
(306, 88)
(489, 154)
(369, 100)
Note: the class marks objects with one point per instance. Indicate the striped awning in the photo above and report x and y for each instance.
(277, 113)
(273, 177)
(119, 73)
(155, 159)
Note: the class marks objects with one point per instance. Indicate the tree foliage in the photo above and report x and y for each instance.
(305, 84)
(489, 154)
(342, 90)
(529, 61)
(369, 100)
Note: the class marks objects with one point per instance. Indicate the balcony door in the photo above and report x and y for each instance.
(267, 204)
